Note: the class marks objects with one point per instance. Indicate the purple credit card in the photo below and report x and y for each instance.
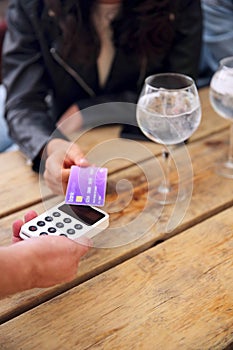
(87, 186)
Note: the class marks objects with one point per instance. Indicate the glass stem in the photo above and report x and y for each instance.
(230, 151)
(165, 186)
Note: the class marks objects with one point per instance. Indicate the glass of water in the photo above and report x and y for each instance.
(221, 98)
(168, 112)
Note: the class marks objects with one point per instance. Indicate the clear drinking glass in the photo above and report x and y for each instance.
(221, 98)
(168, 112)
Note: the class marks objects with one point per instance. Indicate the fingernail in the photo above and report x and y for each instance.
(82, 161)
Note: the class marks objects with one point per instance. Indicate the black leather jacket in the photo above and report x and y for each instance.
(32, 70)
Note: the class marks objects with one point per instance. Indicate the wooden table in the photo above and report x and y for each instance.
(164, 289)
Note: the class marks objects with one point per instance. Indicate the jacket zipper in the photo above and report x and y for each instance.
(72, 72)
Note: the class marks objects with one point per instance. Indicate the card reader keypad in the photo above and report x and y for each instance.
(65, 220)
(56, 223)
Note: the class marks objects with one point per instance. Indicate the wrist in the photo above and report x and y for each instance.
(16, 269)
(24, 265)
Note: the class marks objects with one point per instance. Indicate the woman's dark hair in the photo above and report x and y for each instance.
(142, 26)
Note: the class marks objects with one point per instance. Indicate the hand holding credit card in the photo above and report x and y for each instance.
(86, 186)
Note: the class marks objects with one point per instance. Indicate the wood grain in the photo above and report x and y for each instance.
(187, 279)
(211, 195)
(20, 187)
(177, 295)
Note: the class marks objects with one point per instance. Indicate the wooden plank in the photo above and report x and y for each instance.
(17, 174)
(211, 123)
(19, 185)
(211, 194)
(177, 295)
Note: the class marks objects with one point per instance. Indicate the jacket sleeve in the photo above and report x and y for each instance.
(24, 77)
(185, 53)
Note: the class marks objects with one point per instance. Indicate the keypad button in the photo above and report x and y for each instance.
(44, 234)
(40, 223)
(48, 218)
(56, 214)
(59, 224)
(63, 234)
(67, 220)
(70, 231)
(32, 228)
(78, 226)
(52, 229)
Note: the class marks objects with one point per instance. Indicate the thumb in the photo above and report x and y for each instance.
(16, 229)
(76, 155)
(82, 162)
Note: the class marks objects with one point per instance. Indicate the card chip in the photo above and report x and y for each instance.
(79, 199)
